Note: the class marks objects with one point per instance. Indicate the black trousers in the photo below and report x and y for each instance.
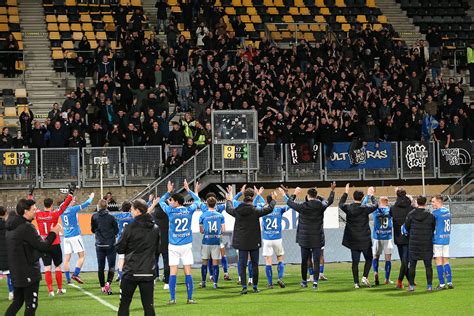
(305, 255)
(104, 253)
(166, 266)
(428, 268)
(355, 254)
(243, 257)
(403, 253)
(27, 295)
(127, 289)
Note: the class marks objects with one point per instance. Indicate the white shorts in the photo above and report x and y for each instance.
(121, 256)
(4, 272)
(184, 252)
(73, 245)
(441, 251)
(211, 251)
(270, 246)
(385, 246)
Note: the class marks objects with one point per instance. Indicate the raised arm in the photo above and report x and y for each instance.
(229, 205)
(267, 209)
(197, 200)
(291, 201)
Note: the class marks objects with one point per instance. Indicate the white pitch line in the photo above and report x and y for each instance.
(98, 299)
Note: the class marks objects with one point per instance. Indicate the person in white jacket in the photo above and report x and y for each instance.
(201, 32)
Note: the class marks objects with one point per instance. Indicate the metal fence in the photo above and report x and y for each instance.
(142, 164)
(59, 166)
(19, 168)
(112, 172)
(310, 171)
(271, 161)
(385, 173)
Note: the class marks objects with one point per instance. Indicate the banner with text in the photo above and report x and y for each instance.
(369, 156)
(456, 158)
(303, 153)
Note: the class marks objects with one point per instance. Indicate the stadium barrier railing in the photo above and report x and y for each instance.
(112, 172)
(59, 166)
(142, 164)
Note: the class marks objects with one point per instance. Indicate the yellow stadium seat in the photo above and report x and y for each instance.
(319, 3)
(271, 27)
(272, 11)
(230, 10)
(299, 3)
(245, 18)
(17, 36)
(62, 19)
(125, 2)
(77, 36)
(268, 3)
(20, 45)
(93, 44)
(279, 3)
(371, 3)
(361, 19)
(110, 27)
(11, 3)
(346, 27)
(87, 27)
(14, 19)
(64, 27)
(70, 54)
(286, 35)
(12, 11)
(252, 11)
(101, 36)
(249, 27)
(305, 11)
(4, 28)
(76, 27)
(54, 36)
(177, 9)
(377, 27)
(315, 27)
(136, 3)
(3, 19)
(287, 19)
(247, 3)
(382, 19)
(147, 34)
(236, 3)
(10, 111)
(303, 27)
(309, 37)
(341, 19)
(3, 11)
(293, 11)
(90, 36)
(86, 18)
(320, 19)
(58, 54)
(325, 11)
(277, 36)
(186, 34)
(108, 19)
(113, 45)
(50, 18)
(292, 27)
(20, 93)
(68, 45)
(52, 27)
(256, 19)
(340, 3)
(20, 108)
(71, 3)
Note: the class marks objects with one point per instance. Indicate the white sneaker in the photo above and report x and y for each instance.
(365, 281)
(166, 287)
(61, 291)
(356, 286)
(311, 278)
(51, 294)
(10, 296)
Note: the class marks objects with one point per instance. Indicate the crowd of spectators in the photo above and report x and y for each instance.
(367, 87)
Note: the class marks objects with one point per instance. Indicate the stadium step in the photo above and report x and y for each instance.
(400, 22)
(42, 81)
(150, 11)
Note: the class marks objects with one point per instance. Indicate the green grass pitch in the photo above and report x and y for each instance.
(334, 297)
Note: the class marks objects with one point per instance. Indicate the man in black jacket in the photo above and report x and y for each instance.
(310, 224)
(24, 248)
(357, 232)
(105, 228)
(140, 243)
(3, 251)
(419, 226)
(399, 212)
(247, 235)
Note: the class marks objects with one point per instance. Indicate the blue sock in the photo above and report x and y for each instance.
(375, 265)
(216, 273)
(440, 274)
(249, 267)
(310, 270)
(281, 270)
(77, 270)
(269, 272)
(189, 286)
(68, 276)
(321, 268)
(172, 287)
(447, 270)
(120, 274)
(203, 272)
(9, 283)
(388, 268)
(209, 266)
(225, 266)
(238, 267)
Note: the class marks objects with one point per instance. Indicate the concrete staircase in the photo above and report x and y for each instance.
(150, 11)
(42, 82)
(400, 22)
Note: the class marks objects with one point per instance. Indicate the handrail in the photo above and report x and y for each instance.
(268, 32)
(459, 181)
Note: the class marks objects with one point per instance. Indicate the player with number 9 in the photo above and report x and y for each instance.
(441, 242)
(180, 236)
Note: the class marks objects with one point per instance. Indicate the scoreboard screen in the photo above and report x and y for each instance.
(16, 158)
(235, 152)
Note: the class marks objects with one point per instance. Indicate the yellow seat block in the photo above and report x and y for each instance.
(52, 27)
(382, 19)
(50, 18)
(346, 27)
(361, 19)
(62, 19)
(58, 54)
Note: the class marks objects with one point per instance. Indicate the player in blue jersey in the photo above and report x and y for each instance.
(382, 236)
(212, 226)
(272, 241)
(225, 266)
(72, 238)
(123, 219)
(441, 242)
(180, 236)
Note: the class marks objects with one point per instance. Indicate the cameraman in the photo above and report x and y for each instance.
(140, 244)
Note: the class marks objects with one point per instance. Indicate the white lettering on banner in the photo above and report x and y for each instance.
(414, 156)
(456, 156)
(289, 220)
(294, 154)
(360, 155)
